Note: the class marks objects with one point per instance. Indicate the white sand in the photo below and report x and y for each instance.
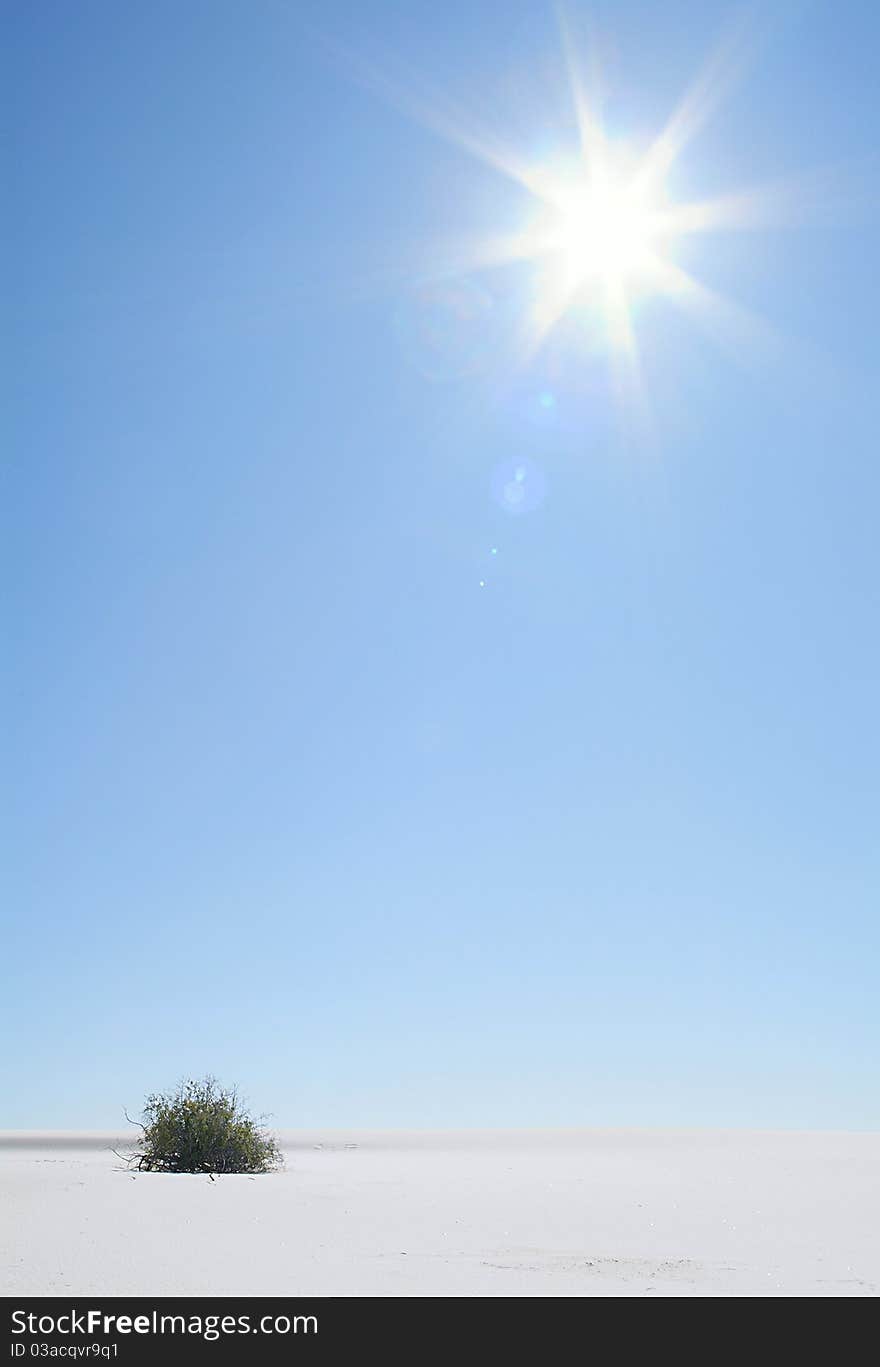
(588, 1212)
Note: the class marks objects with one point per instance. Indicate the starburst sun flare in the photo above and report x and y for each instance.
(599, 235)
(601, 230)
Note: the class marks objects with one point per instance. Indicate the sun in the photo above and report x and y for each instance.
(602, 237)
(605, 232)
(602, 227)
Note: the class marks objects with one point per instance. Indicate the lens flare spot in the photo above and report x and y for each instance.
(518, 486)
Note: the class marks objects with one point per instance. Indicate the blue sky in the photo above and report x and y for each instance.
(338, 767)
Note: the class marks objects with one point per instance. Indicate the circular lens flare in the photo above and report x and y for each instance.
(518, 486)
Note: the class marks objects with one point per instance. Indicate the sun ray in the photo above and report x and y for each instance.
(823, 196)
(442, 116)
(715, 81)
(590, 130)
(739, 330)
(751, 341)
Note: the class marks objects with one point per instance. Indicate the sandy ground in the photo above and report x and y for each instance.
(541, 1213)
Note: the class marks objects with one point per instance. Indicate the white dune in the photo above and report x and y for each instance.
(516, 1213)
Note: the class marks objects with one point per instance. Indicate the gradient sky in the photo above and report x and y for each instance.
(330, 770)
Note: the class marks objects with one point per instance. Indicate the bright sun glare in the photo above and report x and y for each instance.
(602, 237)
(602, 232)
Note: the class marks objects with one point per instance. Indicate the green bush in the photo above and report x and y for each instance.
(202, 1127)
